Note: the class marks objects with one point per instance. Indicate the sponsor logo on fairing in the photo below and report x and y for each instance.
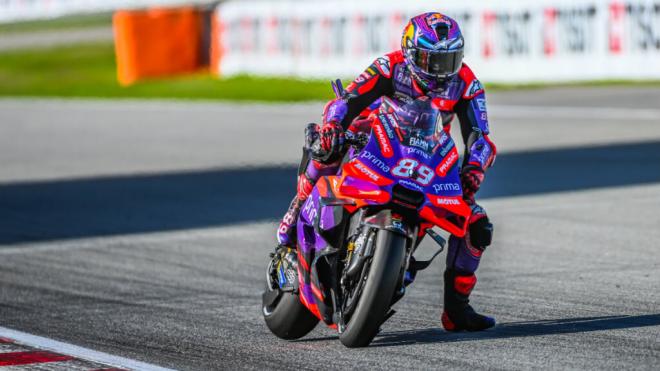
(443, 138)
(417, 142)
(310, 210)
(388, 121)
(446, 148)
(366, 171)
(375, 161)
(417, 151)
(446, 187)
(411, 184)
(447, 201)
(383, 141)
(447, 163)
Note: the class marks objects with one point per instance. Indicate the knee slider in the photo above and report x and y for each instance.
(481, 233)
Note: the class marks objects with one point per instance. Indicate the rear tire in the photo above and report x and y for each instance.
(286, 316)
(289, 319)
(374, 303)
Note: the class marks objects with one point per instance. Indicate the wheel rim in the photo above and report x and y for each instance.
(350, 305)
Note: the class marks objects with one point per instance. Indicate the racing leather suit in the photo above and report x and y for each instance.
(460, 95)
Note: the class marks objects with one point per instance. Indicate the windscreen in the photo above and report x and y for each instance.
(420, 124)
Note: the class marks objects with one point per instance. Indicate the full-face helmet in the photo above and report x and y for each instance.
(432, 44)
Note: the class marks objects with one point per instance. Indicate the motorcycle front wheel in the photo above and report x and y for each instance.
(381, 283)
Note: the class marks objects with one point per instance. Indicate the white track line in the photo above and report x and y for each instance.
(76, 351)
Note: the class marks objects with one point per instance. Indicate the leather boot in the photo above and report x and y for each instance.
(458, 315)
(286, 233)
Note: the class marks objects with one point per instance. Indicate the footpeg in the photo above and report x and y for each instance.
(418, 265)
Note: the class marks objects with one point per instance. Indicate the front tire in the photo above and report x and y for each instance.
(382, 280)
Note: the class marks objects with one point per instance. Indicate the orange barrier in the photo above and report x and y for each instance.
(157, 42)
(215, 51)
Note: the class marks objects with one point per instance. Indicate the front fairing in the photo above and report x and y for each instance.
(392, 160)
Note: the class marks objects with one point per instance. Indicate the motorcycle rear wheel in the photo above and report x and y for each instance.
(287, 317)
(382, 280)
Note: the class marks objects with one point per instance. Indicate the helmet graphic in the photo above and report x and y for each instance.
(432, 44)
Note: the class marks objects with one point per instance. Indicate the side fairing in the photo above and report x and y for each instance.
(312, 214)
(311, 247)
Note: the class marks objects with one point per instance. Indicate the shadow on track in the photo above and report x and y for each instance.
(142, 203)
(62, 209)
(518, 329)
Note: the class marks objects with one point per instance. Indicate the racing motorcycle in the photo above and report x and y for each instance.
(358, 230)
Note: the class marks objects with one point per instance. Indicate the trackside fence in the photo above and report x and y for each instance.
(506, 41)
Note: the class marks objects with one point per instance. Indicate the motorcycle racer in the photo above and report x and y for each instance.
(429, 63)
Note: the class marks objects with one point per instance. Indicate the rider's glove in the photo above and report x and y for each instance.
(330, 142)
(331, 133)
(335, 111)
(471, 178)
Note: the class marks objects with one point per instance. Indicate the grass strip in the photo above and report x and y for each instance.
(89, 70)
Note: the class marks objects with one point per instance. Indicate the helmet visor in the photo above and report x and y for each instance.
(438, 63)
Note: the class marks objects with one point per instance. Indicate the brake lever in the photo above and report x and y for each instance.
(337, 88)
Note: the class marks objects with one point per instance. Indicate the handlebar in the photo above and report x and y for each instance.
(356, 140)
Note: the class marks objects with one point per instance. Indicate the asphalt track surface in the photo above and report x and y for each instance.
(141, 229)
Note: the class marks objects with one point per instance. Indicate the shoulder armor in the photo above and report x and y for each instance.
(395, 57)
(385, 63)
(472, 85)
